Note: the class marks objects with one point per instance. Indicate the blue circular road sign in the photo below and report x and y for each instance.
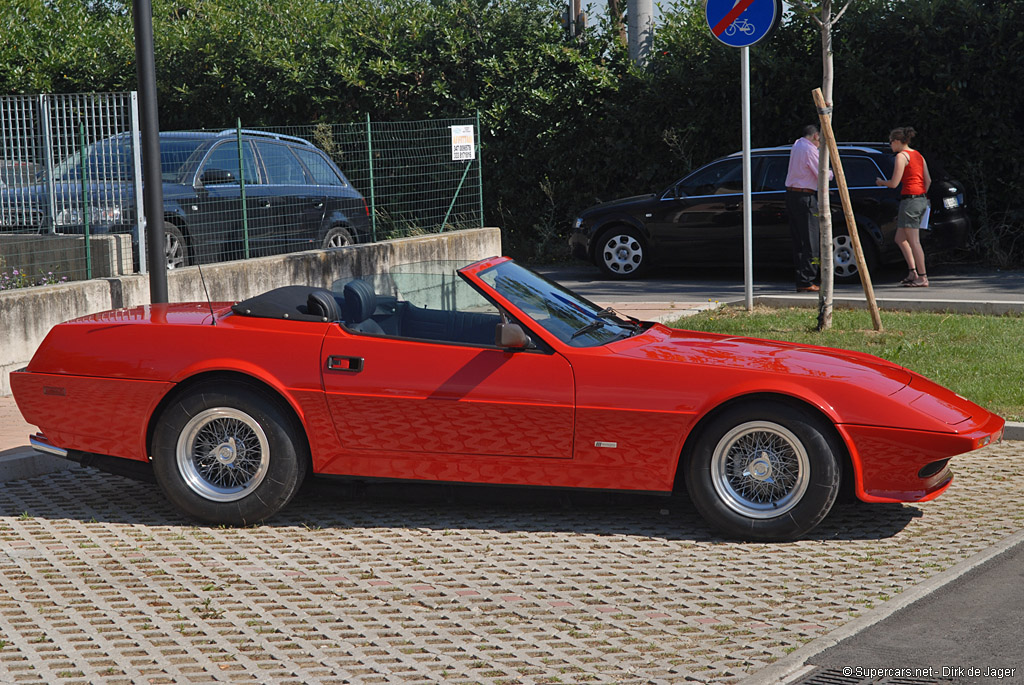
(741, 23)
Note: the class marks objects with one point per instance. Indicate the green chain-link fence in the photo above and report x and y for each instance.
(232, 193)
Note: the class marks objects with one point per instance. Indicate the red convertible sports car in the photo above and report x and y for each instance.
(484, 373)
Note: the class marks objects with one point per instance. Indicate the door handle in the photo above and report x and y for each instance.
(264, 204)
(347, 364)
(318, 204)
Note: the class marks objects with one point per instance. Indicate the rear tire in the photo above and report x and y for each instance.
(765, 470)
(229, 454)
(338, 236)
(621, 253)
(844, 258)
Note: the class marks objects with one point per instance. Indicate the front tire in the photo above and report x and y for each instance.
(175, 248)
(621, 252)
(765, 471)
(229, 454)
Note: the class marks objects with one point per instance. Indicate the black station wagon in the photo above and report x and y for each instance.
(296, 197)
(698, 220)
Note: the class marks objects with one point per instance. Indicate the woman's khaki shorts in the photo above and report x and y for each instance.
(912, 212)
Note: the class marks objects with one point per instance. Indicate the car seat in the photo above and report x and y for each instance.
(360, 304)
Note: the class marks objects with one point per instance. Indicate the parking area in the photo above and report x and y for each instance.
(101, 581)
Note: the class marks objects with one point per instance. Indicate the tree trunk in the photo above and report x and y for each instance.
(826, 266)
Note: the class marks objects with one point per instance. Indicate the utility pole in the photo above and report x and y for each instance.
(152, 182)
(640, 17)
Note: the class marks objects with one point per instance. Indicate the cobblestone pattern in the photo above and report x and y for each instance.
(101, 582)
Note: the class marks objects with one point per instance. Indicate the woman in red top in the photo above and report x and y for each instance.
(911, 170)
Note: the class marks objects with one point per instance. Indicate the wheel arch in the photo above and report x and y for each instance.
(693, 437)
(233, 378)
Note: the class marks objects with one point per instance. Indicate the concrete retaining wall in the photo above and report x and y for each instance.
(26, 315)
(63, 256)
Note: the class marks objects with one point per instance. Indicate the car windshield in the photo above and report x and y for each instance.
(110, 160)
(572, 319)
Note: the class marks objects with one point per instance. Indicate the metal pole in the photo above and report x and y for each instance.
(241, 187)
(85, 198)
(748, 259)
(373, 199)
(140, 211)
(640, 30)
(480, 167)
(152, 183)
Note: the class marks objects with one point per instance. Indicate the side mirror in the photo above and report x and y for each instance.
(215, 176)
(511, 336)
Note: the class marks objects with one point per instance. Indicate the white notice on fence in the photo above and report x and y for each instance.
(462, 143)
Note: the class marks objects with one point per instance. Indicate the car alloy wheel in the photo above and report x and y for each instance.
(337, 237)
(175, 250)
(622, 253)
(844, 259)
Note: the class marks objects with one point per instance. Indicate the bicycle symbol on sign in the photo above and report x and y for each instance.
(741, 25)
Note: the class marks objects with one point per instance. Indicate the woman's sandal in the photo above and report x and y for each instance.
(920, 282)
(911, 277)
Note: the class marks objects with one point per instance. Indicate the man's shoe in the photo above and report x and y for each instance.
(808, 289)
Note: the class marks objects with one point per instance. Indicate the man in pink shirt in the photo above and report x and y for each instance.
(802, 207)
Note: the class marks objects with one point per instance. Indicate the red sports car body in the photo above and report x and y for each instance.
(486, 373)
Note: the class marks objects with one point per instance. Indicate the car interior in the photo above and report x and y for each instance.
(362, 311)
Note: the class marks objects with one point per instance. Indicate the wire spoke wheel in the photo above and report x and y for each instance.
(223, 454)
(760, 469)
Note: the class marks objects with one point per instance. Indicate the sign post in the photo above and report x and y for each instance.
(740, 24)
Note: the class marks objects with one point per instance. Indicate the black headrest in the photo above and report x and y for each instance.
(360, 301)
(321, 302)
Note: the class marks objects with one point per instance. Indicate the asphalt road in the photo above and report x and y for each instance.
(967, 631)
(949, 282)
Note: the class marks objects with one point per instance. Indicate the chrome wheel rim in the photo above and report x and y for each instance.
(622, 254)
(223, 454)
(338, 239)
(760, 469)
(175, 251)
(844, 258)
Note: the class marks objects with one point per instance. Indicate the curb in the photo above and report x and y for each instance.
(791, 667)
(895, 303)
(24, 462)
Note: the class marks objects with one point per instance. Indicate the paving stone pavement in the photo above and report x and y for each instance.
(102, 582)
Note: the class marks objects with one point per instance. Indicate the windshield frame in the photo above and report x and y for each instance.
(569, 318)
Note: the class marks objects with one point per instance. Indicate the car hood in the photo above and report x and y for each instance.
(621, 203)
(768, 356)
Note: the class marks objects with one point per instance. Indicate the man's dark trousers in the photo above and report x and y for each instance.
(803, 225)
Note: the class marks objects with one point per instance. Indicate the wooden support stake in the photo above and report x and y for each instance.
(825, 117)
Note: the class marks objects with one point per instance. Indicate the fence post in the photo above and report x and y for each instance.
(480, 167)
(85, 199)
(51, 191)
(373, 203)
(241, 186)
(140, 205)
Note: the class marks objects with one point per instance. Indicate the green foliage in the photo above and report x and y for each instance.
(566, 122)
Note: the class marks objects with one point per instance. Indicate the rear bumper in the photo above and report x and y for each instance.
(948, 233)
